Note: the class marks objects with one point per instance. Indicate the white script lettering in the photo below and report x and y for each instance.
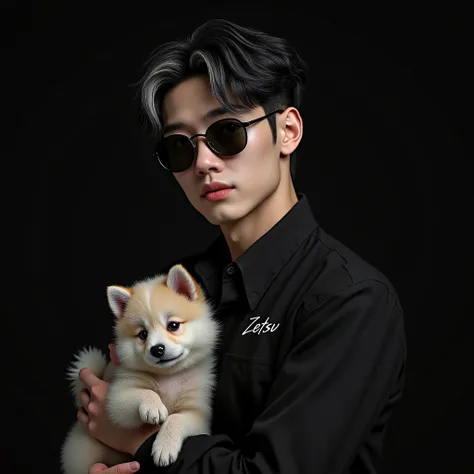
(260, 328)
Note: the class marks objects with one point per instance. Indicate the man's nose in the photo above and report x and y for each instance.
(206, 159)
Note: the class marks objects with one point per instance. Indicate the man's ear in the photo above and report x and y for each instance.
(290, 128)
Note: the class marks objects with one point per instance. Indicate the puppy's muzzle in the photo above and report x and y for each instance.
(158, 350)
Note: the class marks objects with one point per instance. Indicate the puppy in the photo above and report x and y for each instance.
(165, 335)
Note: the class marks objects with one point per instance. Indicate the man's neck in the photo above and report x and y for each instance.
(241, 234)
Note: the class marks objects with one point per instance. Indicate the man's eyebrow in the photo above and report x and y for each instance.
(217, 112)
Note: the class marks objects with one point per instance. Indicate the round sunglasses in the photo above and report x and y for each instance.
(225, 137)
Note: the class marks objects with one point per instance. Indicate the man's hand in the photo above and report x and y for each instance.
(125, 468)
(94, 417)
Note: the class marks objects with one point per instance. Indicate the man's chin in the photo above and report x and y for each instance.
(221, 218)
(222, 214)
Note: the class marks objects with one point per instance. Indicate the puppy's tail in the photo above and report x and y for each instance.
(90, 357)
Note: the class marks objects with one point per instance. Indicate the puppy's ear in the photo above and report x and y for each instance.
(182, 282)
(118, 297)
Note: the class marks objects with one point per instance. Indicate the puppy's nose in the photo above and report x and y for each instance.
(158, 350)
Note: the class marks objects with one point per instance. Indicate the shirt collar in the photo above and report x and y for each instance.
(265, 258)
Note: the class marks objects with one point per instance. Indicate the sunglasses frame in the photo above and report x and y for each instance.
(191, 139)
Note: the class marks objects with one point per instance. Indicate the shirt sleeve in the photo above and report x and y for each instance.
(346, 357)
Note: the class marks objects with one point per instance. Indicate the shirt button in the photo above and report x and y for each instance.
(230, 270)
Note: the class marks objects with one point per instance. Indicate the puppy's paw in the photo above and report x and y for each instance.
(153, 413)
(166, 446)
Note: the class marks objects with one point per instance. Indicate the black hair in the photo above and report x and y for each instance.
(259, 69)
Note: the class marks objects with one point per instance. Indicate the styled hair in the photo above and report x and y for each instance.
(259, 70)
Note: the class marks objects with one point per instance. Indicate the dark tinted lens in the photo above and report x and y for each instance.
(227, 137)
(175, 152)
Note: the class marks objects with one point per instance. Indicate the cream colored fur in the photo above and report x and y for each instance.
(144, 388)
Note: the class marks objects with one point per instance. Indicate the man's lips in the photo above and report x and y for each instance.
(218, 195)
(214, 186)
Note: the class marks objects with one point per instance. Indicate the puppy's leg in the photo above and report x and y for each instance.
(130, 407)
(175, 430)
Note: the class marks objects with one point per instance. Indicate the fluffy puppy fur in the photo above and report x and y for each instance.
(165, 335)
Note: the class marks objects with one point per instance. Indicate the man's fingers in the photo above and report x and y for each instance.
(125, 468)
(84, 397)
(97, 468)
(87, 377)
(82, 416)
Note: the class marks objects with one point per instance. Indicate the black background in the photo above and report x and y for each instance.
(385, 162)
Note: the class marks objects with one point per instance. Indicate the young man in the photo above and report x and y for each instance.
(312, 358)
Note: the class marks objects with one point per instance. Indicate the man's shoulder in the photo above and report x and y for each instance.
(343, 270)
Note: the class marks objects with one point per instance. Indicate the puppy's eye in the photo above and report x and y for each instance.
(173, 326)
(143, 334)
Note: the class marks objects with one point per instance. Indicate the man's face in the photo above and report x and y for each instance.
(254, 173)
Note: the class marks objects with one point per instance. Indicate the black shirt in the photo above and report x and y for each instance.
(311, 360)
